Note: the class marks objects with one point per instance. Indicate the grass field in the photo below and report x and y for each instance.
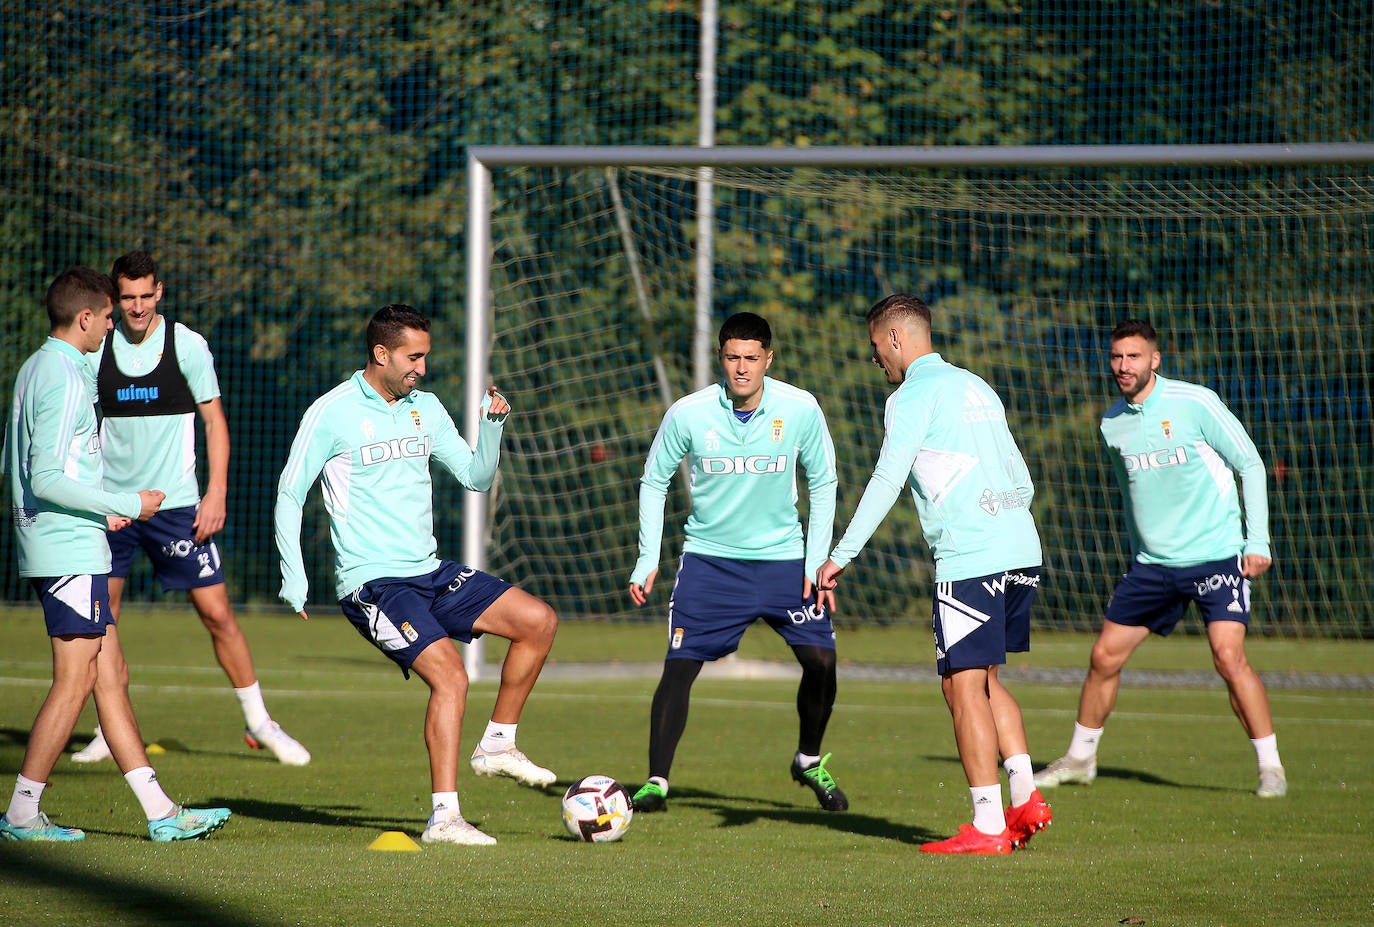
(1169, 833)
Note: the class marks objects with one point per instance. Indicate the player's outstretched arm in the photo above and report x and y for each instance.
(473, 466)
(311, 448)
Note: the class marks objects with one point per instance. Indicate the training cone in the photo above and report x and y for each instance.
(394, 841)
(155, 749)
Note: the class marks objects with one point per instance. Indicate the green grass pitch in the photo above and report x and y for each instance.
(1169, 834)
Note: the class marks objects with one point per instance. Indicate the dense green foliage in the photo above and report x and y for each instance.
(295, 165)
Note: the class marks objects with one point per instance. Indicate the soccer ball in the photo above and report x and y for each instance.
(597, 809)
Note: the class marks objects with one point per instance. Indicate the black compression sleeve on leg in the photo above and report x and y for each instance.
(815, 696)
(668, 716)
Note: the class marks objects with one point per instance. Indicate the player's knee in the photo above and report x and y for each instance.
(219, 621)
(1107, 661)
(540, 624)
(451, 683)
(113, 675)
(76, 682)
(1230, 663)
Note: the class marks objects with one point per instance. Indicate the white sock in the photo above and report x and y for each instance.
(1267, 752)
(987, 809)
(149, 793)
(660, 782)
(1020, 779)
(1083, 746)
(445, 805)
(254, 710)
(498, 737)
(806, 760)
(24, 802)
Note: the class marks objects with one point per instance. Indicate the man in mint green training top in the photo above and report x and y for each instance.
(745, 556)
(947, 437)
(1176, 450)
(153, 377)
(61, 512)
(370, 441)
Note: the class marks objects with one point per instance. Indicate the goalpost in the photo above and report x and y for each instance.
(1254, 261)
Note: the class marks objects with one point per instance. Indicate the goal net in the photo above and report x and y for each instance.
(1257, 277)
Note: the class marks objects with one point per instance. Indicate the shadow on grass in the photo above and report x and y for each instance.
(741, 811)
(1119, 773)
(126, 900)
(322, 815)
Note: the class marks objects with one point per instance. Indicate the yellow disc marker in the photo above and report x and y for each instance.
(395, 841)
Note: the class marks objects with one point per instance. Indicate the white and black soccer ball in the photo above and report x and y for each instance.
(597, 809)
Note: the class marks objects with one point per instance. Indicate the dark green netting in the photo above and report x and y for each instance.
(295, 165)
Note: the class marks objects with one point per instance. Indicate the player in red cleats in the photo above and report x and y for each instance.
(972, 840)
(1025, 821)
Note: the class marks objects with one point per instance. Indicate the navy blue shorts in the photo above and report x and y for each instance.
(1154, 597)
(401, 617)
(74, 605)
(716, 599)
(170, 540)
(979, 621)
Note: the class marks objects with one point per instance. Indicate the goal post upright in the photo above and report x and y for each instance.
(477, 368)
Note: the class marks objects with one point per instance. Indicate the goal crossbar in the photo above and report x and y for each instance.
(935, 156)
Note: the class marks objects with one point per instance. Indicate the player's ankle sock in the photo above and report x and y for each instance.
(155, 802)
(498, 737)
(987, 809)
(1020, 779)
(1083, 746)
(254, 710)
(24, 802)
(807, 760)
(661, 782)
(1267, 751)
(445, 804)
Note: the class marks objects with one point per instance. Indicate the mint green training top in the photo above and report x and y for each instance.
(56, 473)
(1176, 456)
(743, 478)
(947, 436)
(372, 458)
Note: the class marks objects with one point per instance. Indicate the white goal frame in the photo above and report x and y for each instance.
(482, 158)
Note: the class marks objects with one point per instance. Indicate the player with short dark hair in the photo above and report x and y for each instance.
(745, 556)
(1176, 450)
(370, 441)
(154, 376)
(947, 437)
(61, 511)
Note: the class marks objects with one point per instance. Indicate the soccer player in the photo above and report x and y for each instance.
(372, 438)
(1176, 450)
(744, 556)
(61, 512)
(947, 436)
(153, 377)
